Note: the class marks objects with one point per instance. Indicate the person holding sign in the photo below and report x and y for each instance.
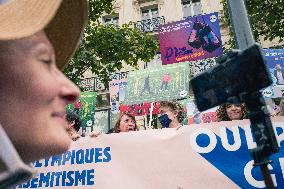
(229, 112)
(171, 114)
(37, 38)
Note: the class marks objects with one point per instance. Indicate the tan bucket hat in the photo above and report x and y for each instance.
(62, 20)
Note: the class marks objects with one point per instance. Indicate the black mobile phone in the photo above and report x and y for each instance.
(246, 72)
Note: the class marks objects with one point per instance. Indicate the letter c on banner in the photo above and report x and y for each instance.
(256, 183)
(209, 147)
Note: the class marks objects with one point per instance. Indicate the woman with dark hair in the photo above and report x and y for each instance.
(229, 112)
(125, 123)
(171, 114)
(74, 124)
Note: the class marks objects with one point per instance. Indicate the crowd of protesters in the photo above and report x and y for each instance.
(171, 115)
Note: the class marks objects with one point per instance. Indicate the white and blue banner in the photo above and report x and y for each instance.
(214, 155)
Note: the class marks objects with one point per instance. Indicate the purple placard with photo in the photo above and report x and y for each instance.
(192, 39)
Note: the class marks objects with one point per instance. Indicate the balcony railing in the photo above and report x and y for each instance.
(116, 25)
(150, 25)
(95, 84)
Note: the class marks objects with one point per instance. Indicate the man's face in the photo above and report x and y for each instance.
(33, 98)
(126, 124)
(234, 112)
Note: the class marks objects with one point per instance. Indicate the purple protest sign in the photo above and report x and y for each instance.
(192, 39)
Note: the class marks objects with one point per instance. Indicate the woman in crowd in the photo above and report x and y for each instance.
(171, 114)
(229, 112)
(74, 124)
(125, 123)
(281, 113)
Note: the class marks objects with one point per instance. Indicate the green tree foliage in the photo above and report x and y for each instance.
(266, 18)
(104, 49)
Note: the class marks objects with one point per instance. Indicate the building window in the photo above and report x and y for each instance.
(150, 13)
(150, 20)
(191, 8)
(114, 20)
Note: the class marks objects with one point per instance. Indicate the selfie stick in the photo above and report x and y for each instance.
(258, 113)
